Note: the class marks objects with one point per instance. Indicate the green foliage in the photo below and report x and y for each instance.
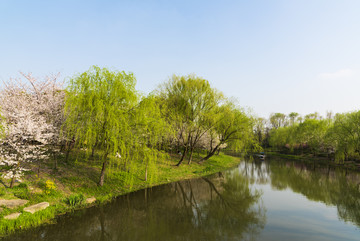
(104, 112)
(235, 128)
(345, 136)
(75, 200)
(21, 191)
(2, 191)
(190, 97)
(278, 120)
(97, 110)
(339, 136)
(203, 118)
(27, 220)
(190, 102)
(310, 133)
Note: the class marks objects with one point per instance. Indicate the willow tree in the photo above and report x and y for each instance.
(312, 132)
(98, 112)
(150, 133)
(189, 100)
(345, 136)
(232, 127)
(278, 120)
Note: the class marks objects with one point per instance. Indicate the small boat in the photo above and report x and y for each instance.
(261, 155)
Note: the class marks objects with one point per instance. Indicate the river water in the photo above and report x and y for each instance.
(258, 200)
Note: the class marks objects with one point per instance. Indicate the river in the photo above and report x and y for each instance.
(258, 200)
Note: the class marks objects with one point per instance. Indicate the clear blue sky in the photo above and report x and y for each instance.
(273, 56)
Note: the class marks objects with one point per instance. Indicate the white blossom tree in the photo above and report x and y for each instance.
(32, 111)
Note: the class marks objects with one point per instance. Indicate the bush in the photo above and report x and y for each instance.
(75, 200)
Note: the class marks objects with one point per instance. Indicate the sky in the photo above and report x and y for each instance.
(272, 56)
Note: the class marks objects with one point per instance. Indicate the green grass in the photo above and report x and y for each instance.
(75, 200)
(77, 180)
(28, 220)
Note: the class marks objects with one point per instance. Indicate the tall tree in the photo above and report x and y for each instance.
(278, 120)
(190, 103)
(32, 109)
(345, 135)
(98, 112)
(260, 129)
(293, 117)
(313, 132)
(150, 134)
(234, 128)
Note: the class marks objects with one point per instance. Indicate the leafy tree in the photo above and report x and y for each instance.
(190, 104)
(260, 129)
(283, 137)
(293, 117)
(98, 112)
(234, 128)
(278, 120)
(345, 135)
(314, 115)
(150, 133)
(313, 133)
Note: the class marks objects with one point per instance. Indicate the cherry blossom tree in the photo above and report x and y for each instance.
(32, 111)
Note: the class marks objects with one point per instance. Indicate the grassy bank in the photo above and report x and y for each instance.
(67, 188)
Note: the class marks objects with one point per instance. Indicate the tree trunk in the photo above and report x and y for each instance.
(210, 154)
(68, 148)
(62, 147)
(12, 181)
(191, 155)
(92, 152)
(182, 157)
(102, 175)
(67, 155)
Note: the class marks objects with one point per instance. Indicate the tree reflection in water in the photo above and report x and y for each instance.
(332, 186)
(220, 207)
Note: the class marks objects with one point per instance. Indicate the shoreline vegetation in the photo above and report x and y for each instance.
(68, 187)
(73, 182)
(62, 147)
(66, 147)
(313, 159)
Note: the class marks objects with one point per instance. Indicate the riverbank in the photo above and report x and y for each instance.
(320, 160)
(74, 185)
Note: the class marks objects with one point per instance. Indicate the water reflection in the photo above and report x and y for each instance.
(220, 207)
(301, 202)
(332, 186)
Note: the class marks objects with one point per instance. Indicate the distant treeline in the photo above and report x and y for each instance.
(337, 136)
(100, 112)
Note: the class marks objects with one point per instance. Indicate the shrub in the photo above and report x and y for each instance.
(75, 200)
